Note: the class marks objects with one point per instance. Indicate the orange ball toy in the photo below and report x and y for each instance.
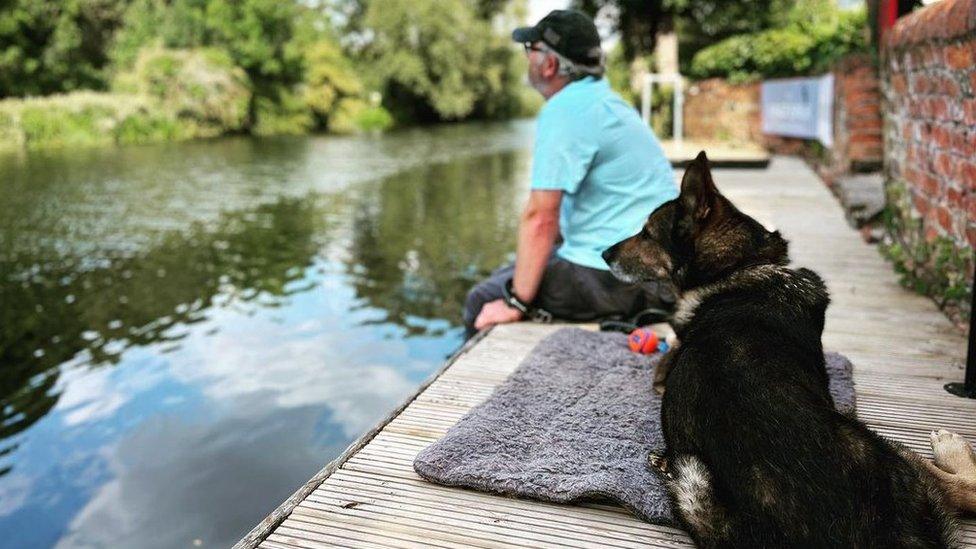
(643, 340)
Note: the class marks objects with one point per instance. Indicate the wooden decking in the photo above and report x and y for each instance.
(903, 351)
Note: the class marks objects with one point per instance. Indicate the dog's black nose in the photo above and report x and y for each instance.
(607, 254)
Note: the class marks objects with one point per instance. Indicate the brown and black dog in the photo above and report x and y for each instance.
(757, 455)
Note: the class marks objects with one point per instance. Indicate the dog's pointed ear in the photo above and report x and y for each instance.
(698, 191)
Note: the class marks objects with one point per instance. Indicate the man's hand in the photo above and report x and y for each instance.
(496, 312)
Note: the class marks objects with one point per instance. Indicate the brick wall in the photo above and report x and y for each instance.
(718, 111)
(715, 110)
(857, 115)
(929, 80)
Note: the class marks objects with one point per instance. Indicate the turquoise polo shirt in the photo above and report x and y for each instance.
(594, 147)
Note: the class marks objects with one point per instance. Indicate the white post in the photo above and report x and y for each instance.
(679, 104)
(646, 98)
(679, 101)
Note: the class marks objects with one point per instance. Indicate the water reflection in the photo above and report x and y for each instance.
(188, 332)
(53, 311)
(423, 238)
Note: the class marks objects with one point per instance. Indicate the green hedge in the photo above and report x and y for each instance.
(83, 119)
(801, 48)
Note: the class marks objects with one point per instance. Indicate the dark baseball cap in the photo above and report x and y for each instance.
(570, 33)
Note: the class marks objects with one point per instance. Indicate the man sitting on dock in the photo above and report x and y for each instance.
(597, 172)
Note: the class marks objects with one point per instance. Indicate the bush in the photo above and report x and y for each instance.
(374, 119)
(200, 87)
(74, 119)
(353, 115)
(809, 44)
(328, 78)
(145, 127)
(286, 114)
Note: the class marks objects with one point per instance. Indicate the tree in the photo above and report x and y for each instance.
(51, 47)
(637, 21)
(258, 34)
(435, 59)
(699, 23)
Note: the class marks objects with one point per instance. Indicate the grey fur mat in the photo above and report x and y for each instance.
(575, 421)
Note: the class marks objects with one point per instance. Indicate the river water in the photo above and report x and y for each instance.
(189, 331)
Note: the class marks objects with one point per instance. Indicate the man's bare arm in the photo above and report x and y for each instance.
(538, 231)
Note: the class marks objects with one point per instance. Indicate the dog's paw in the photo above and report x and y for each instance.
(953, 454)
(659, 463)
(659, 388)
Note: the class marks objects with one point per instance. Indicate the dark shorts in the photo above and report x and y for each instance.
(573, 292)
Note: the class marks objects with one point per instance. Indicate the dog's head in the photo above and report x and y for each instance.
(696, 238)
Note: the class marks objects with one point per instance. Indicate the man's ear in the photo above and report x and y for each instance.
(698, 193)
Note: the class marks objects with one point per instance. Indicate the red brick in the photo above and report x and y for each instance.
(946, 166)
(866, 135)
(971, 236)
(972, 83)
(929, 185)
(971, 206)
(948, 86)
(969, 111)
(961, 142)
(924, 131)
(954, 198)
(913, 176)
(919, 84)
(921, 204)
(960, 56)
(898, 83)
(941, 136)
(940, 109)
(967, 175)
(865, 151)
(864, 110)
(906, 132)
(944, 217)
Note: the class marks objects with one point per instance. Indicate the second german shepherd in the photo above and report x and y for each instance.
(756, 455)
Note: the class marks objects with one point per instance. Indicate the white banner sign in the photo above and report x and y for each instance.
(799, 107)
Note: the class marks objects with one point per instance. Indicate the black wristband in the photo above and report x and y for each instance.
(532, 313)
(513, 301)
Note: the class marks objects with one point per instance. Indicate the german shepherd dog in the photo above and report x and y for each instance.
(757, 455)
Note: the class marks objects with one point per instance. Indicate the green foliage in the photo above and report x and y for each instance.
(257, 34)
(374, 119)
(52, 47)
(936, 267)
(436, 60)
(201, 87)
(82, 119)
(618, 74)
(637, 21)
(811, 42)
(210, 67)
(329, 79)
(146, 127)
(252, 45)
(285, 114)
(353, 115)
